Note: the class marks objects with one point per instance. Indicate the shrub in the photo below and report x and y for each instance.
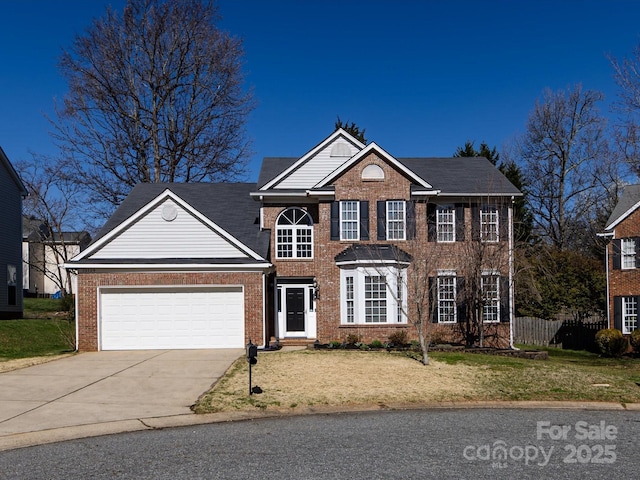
(353, 339)
(399, 337)
(376, 344)
(335, 344)
(635, 340)
(611, 342)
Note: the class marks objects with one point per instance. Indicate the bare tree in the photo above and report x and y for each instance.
(52, 203)
(564, 151)
(155, 95)
(485, 280)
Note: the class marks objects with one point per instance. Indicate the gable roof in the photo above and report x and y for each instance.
(628, 203)
(4, 162)
(291, 169)
(448, 175)
(364, 152)
(228, 205)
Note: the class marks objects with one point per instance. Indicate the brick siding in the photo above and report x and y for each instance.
(88, 284)
(350, 186)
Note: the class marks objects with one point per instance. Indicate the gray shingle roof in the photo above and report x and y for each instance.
(228, 205)
(374, 253)
(630, 196)
(461, 175)
(272, 167)
(451, 175)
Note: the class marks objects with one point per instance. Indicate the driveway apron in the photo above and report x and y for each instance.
(100, 387)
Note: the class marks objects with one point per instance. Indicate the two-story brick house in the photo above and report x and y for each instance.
(323, 246)
(623, 261)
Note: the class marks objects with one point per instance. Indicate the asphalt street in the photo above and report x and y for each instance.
(437, 443)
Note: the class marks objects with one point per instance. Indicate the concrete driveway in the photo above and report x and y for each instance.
(104, 392)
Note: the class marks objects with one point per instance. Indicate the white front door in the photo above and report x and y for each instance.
(296, 311)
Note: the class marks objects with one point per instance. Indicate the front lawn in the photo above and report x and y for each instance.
(44, 331)
(307, 378)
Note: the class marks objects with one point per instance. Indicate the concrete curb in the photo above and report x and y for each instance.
(29, 439)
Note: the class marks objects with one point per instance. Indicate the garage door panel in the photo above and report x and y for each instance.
(180, 318)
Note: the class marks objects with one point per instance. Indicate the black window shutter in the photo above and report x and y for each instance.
(459, 222)
(433, 298)
(616, 247)
(335, 220)
(617, 313)
(637, 240)
(503, 219)
(431, 222)
(504, 299)
(461, 305)
(475, 223)
(411, 220)
(382, 220)
(364, 220)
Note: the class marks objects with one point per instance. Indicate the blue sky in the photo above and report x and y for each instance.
(421, 77)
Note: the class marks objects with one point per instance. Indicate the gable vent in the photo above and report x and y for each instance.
(373, 172)
(340, 149)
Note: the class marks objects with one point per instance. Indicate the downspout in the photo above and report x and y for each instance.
(264, 310)
(606, 259)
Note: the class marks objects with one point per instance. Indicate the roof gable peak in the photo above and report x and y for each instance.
(344, 145)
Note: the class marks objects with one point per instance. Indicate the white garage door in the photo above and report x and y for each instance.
(144, 318)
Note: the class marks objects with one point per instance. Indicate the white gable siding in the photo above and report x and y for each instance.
(319, 166)
(153, 237)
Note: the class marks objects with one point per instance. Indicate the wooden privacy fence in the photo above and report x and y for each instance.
(535, 331)
(579, 334)
(572, 334)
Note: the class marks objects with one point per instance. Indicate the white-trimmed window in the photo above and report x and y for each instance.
(349, 220)
(628, 253)
(375, 299)
(489, 224)
(373, 295)
(396, 220)
(629, 314)
(490, 285)
(446, 293)
(294, 234)
(349, 298)
(446, 223)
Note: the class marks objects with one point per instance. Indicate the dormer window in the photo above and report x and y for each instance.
(294, 234)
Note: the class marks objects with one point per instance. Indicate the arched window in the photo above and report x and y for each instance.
(294, 234)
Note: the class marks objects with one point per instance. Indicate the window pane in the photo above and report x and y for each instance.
(445, 224)
(628, 247)
(375, 299)
(350, 299)
(629, 314)
(447, 299)
(489, 225)
(294, 239)
(395, 220)
(349, 220)
(284, 243)
(490, 298)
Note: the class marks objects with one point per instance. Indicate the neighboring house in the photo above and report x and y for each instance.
(44, 253)
(320, 248)
(623, 261)
(11, 193)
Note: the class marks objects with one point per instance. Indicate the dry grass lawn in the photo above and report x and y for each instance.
(338, 378)
(8, 365)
